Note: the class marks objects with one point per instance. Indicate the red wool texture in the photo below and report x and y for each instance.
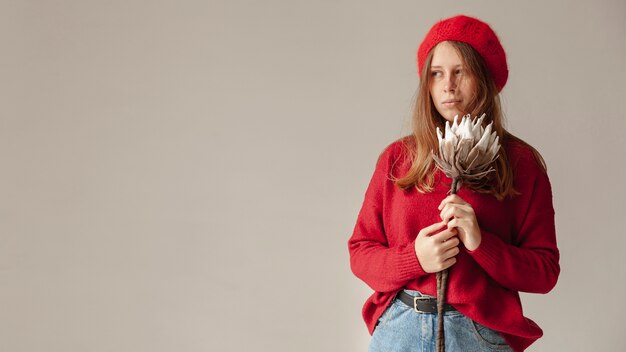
(474, 32)
(518, 251)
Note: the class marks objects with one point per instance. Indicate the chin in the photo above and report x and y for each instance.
(450, 117)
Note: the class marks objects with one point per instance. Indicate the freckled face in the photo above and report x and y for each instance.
(451, 85)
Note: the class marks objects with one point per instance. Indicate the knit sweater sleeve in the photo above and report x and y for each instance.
(383, 267)
(531, 262)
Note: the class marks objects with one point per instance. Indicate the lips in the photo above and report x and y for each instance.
(450, 103)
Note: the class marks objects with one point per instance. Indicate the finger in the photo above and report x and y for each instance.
(453, 198)
(459, 223)
(431, 228)
(451, 253)
(452, 211)
(454, 223)
(450, 198)
(446, 214)
(443, 203)
(444, 235)
(450, 243)
(457, 212)
(448, 263)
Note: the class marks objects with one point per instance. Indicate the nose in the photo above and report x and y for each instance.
(449, 84)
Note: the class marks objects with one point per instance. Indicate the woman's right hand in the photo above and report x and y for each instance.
(436, 251)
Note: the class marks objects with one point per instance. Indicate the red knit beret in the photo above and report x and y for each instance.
(474, 32)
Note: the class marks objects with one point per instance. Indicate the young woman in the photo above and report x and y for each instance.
(496, 241)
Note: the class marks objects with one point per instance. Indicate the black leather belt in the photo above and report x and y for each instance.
(422, 304)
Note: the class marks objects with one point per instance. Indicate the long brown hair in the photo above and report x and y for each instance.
(426, 119)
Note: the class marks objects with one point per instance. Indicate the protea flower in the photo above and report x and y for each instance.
(467, 151)
(466, 154)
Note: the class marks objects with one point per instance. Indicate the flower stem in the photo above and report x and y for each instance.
(442, 286)
(442, 283)
(456, 184)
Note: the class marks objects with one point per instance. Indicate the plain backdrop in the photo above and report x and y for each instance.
(185, 175)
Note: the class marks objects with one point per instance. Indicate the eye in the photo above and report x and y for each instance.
(458, 71)
(435, 73)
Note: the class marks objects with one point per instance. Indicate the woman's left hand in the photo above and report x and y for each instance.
(456, 212)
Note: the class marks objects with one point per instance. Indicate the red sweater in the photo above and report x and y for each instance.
(518, 250)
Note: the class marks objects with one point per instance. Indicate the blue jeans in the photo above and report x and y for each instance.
(402, 329)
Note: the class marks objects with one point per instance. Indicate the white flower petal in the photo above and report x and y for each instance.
(483, 143)
(477, 129)
(449, 135)
(465, 129)
(493, 150)
(455, 124)
(467, 149)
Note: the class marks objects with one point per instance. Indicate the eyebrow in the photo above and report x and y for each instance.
(441, 66)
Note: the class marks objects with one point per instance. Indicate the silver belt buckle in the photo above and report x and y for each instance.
(415, 299)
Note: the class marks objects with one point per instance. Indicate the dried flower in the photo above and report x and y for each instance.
(467, 151)
(465, 155)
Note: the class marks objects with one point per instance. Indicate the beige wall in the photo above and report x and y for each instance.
(184, 175)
